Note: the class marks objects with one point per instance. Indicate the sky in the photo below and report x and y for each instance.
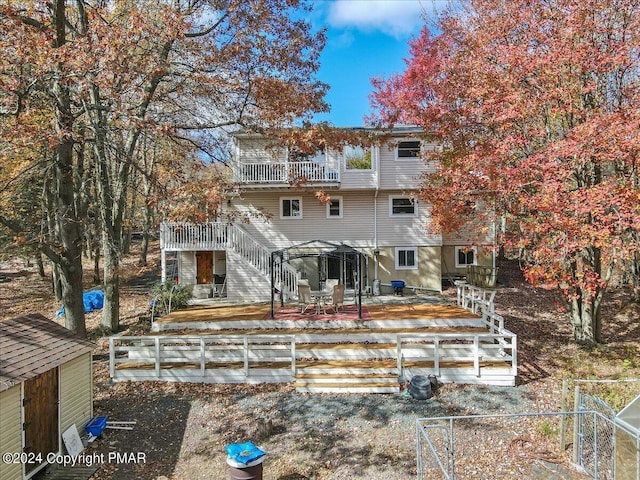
(365, 39)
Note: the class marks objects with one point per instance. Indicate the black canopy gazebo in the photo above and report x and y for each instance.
(317, 249)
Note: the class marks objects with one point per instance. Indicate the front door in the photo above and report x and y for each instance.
(204, 268)
(41, 415)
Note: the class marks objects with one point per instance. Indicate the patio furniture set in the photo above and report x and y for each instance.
(332, 298)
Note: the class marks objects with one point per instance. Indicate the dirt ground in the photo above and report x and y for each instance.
(182, 429)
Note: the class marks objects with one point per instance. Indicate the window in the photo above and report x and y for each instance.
(356, 158)
(290, 208)
(408, 149)
(399, 206)
(406, 258)
(465, 256)
(334, 209)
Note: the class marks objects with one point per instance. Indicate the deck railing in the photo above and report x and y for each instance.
(195, 236)
(285, 172)
(457, 347)
(246, 355)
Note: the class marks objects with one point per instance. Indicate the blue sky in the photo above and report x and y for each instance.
(365, 39)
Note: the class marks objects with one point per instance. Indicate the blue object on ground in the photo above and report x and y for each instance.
(96, 425)
(92, 300)
(244, 452)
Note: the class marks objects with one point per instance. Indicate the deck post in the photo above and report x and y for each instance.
(112, 358)
(202, 357)
(246, 356)
(436, 355)
(399, 357)
(476, 354)
(514, 356)
(157, 351)
(293, 358)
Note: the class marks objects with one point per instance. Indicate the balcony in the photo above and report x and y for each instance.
(285, 173)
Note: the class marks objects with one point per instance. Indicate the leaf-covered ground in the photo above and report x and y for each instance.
(182, 429)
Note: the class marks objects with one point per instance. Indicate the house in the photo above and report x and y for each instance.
(45, 387)
(372, 209)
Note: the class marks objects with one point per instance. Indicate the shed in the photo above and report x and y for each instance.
(627, 442)
(45, 387)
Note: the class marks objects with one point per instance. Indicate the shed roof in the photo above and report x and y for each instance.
(32, 344)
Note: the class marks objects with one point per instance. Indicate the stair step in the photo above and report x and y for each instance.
(336, 387)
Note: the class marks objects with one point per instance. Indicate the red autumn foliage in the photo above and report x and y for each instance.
(537, 104)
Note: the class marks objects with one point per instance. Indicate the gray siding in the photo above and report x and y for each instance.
(10, 431)
(76, 393)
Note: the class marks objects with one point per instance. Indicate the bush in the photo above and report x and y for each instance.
(169, 296)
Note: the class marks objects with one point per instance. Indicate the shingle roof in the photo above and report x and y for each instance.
(32, 344)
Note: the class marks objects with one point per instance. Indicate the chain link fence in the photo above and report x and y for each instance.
(580, 444)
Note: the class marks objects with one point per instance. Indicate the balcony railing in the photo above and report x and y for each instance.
(285, 173)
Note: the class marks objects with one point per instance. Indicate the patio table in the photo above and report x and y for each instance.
(320, 297)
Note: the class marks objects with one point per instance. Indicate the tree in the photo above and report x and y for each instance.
(537, 104)
(109, 72)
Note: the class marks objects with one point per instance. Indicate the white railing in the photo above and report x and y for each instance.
(457, 347)
(285, 172)
(199, 355)
(475, 299)
(196, 236)
(220, 236)
(254, 252)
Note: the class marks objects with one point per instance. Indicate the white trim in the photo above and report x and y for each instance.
(475, 256)
(415, 257)
(290, 217)
(415, 206)
(340, 205)
(404, 159)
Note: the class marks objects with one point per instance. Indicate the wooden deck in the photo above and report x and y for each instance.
(321, 353)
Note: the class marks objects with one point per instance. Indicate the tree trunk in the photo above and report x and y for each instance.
(40, 265)
(586, 321)
(68, 254)
(56, 282)
(111, 311)
(96, 265)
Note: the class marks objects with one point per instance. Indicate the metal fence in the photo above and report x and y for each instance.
(525, 446)
(594, 438)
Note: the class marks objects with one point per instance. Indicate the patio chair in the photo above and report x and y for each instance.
(337, 299)
(330, 283)
(304, 298)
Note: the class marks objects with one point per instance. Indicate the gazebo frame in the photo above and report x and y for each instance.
(316, 248)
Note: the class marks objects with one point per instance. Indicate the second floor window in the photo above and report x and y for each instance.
(334, 209)
(408, 149)
(290, 208)
(399, 206)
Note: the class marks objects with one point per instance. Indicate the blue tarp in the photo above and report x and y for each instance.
(92, 300)
(244, 452)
